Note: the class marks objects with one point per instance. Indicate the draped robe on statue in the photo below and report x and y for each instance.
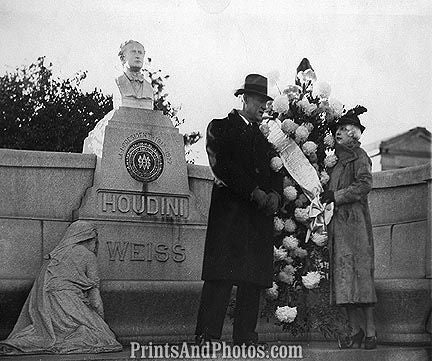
(62, 311)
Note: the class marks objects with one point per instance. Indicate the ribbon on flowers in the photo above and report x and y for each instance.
(320, 216)
(299, 167)
(294, 161)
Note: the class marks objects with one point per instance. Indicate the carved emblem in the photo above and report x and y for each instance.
(144, 161)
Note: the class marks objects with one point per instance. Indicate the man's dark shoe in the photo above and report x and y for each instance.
(201, 339)
(207, 345)
(370, 343)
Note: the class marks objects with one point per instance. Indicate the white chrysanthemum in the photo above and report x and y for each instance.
(276, 164)
(307, 107)
(289, 260)
(321, 89)
(330, 160)
(286, 278)
(265, 129)
(307, 75)
(324, 177)
(281, 104)
(301, 200)
(279, 254)
(308, 125)
(301, 134)
(329, 140)
(288, 269)
(310, 109)
(292, 91)
(336, 106)
(290, 242)
(309, 147)
(323, 104)
(272, 292)
(319, 239)
(286, 314)
(301, 214)
(290, 193)
(311, 280)
(278, 224)
(303, 103)
(300, 252)
(288, 126)
(290, 226)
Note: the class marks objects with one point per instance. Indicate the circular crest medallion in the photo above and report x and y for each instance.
(144, 161)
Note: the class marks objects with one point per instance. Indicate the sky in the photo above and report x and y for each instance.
(376, 53)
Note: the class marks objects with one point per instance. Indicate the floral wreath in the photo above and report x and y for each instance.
(299, 121)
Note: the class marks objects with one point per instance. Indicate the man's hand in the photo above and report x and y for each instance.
(327, 197)
(260, 197)
(272, 204)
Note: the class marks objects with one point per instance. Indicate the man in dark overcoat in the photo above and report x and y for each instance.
(245, 196)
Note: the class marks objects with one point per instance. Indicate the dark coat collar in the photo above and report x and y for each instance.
(236, 120)
(347, 154)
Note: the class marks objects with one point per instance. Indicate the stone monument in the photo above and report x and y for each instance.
(149, 226)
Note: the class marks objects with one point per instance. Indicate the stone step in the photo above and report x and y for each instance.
(316, 351)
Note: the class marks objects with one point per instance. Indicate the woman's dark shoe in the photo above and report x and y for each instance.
(354, 341)
(371, 342)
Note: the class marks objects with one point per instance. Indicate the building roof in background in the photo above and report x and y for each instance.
(416, 140)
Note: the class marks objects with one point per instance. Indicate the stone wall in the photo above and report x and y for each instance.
(400, 210)
(39, 191)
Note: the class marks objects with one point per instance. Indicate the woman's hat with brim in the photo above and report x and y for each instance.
(254, 84)
(351, 117)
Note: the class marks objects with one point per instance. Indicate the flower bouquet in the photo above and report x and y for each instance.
(298, 123)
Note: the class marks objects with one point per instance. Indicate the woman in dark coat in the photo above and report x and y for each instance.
(350, 232)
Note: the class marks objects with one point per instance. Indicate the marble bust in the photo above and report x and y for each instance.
(135, 91)
(132, 91)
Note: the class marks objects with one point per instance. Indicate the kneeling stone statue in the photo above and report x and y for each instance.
(64, 312)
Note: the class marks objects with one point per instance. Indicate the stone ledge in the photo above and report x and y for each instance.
(39, 159)
(400, 177)
(384, 179)
(199, 171)
(135, 310)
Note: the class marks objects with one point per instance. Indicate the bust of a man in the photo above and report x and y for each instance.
(135, 91)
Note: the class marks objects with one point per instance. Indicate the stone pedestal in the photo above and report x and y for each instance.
(151, 226)
(142, 174)
(148, 132)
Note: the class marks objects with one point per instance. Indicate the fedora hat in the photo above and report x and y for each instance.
(254, 84)
(351, 117)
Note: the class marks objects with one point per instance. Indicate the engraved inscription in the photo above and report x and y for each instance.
(148, 252)
(145, 135)
(151, 205)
